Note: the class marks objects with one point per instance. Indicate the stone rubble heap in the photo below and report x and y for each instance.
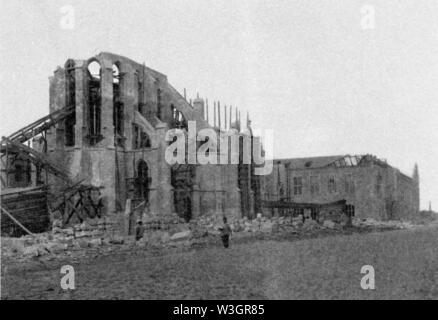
(170, 231)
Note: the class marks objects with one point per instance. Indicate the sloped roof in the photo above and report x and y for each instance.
(311, 162)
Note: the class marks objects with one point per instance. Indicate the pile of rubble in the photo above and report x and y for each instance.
(392, 224)
(93, 233)
(268, 225)
(171, 232)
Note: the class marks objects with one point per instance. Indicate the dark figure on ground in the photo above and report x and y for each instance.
(225, 233)
(139, 230)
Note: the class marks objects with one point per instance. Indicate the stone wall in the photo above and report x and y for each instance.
(395, 200)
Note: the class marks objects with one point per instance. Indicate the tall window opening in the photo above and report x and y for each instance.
(140, 92)
(142, 181)
(118, 112)
(94, 102)
(298, 185)
(159, 103)
(70, 120)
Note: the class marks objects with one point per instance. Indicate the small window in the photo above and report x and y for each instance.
(332, 185)
(349, 210)
(298, 185)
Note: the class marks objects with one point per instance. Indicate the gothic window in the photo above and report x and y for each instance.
(178, 120)
(94, 102)
(70, 121)
(141, 138)
(142, 181)
(332, 185)
(298, 185)
(140, 94)
(118, 112)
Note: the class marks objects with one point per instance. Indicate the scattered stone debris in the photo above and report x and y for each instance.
(171, 232)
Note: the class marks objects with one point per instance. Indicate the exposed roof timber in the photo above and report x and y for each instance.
(357, 160)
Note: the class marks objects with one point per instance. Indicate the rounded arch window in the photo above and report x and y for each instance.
(94, 69)
(116, 73)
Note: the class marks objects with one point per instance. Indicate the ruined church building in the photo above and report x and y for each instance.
(113, 138)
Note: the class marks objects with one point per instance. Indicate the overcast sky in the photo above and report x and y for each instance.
(306, 69)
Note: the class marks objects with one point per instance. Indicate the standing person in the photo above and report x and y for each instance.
(225, 233)
(139, 230)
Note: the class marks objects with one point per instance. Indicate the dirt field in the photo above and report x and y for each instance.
(405, 262)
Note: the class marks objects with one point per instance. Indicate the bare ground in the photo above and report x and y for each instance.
(405, 262)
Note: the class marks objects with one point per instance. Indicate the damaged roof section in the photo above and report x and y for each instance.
(341, 161)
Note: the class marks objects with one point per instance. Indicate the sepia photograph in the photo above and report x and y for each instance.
(219, 155)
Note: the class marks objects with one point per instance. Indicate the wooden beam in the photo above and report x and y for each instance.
(17, 222)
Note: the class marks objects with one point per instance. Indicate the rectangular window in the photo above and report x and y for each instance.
(332, 185)
(349, 183)
(298, 185)
(349, 210)
(314, 185)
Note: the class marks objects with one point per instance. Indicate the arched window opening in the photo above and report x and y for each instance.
(140, 92)
(116, 73)
(159, 103)
(142, 182)
(178, 120)
(94, 102)
(118, 112)
(141, 138)
(70, 120)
